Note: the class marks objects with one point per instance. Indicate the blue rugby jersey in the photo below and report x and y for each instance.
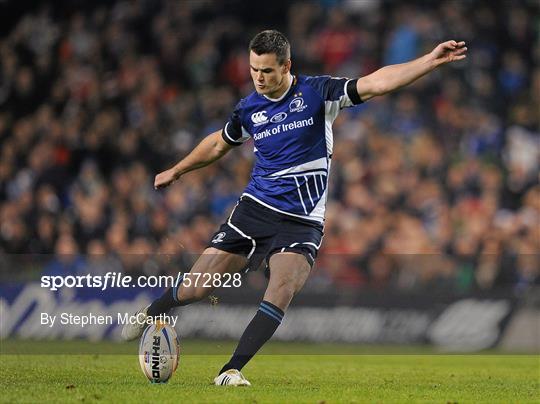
(293, 142)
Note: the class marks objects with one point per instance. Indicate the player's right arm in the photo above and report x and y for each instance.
(211, 148)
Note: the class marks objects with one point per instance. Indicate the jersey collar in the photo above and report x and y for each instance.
(292, 82)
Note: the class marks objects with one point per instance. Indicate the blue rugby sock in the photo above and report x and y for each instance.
(258, 331)
(166, 301)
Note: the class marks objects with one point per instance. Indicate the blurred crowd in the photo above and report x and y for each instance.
(435, 186)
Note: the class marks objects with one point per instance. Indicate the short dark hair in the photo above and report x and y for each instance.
(271, 41)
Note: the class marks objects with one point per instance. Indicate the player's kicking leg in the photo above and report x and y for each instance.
(212, 261)
(288, 273)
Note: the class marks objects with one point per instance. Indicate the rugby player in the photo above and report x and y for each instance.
(279, 217)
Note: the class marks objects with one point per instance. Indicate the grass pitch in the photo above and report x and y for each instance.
(285, 373)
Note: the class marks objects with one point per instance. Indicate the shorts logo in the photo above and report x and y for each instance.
(280, 116)
(219, 237)
(259, 118)
(297, 105)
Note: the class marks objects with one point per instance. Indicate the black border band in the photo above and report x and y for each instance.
(352, 92)
(229, 141)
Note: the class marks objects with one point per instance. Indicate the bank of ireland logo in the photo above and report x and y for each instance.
(297, 105)
(280, 116)
(219, 237)
(259, 118)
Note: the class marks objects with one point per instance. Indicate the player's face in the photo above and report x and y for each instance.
(269, 77)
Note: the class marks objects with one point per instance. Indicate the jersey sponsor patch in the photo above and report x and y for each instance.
(284, 127)
(297, 105)
(259, 118)
(280, 116)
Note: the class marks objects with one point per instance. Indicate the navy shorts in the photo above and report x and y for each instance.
(257, 232)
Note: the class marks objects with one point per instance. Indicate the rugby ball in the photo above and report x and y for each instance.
(158, 352)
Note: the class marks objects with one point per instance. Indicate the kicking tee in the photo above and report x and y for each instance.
(293, 142)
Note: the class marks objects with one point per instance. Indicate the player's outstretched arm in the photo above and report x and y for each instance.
(390, 78)
(211, 148)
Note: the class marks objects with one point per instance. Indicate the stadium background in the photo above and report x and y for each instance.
(434, 195)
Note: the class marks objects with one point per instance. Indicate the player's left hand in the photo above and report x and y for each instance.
(449, 51)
